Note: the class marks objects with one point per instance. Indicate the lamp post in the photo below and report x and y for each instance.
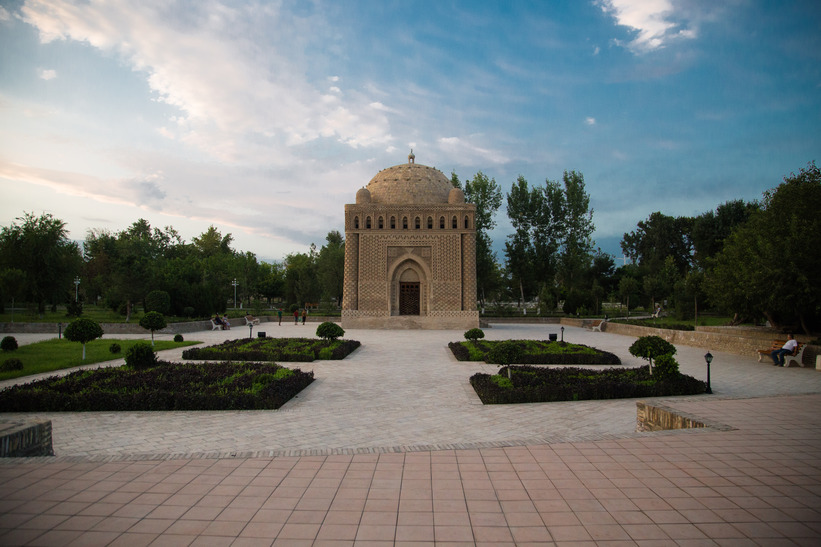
(234, 283)
(562, 329)
(76, 288)
(709, 358)
(250, 330)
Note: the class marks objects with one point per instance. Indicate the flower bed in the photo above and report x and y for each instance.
(274, 349)
(537, 352)
(166, 386)
(539, 385)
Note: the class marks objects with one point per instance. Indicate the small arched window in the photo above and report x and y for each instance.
(404, 223)
(382, 222)
(454, 224)
(467, 222)
(430, 223)
(441, 223)
(418, 223)
(393, 223)
(355, 223)
(368, 223)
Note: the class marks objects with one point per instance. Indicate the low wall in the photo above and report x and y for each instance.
(740, 341)
(25, 439)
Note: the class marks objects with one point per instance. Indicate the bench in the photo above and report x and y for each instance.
(795, 356)
(214, 326)
(598, 326)
(254, 321)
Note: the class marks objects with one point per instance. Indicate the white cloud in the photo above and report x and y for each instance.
(651, 20)
(590, 121)
(200, 62)
(4, 14)
(463, 151)
(48, 74)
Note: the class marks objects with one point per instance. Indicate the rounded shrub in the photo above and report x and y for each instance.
(159, 301)
(651, 348)
(178, 338)
(11, 364)
(140, 355)
(666, 367)
(188, 311)
(9, 343)
(115, 348)
(474, 334)
(329, 331)
(504, 353)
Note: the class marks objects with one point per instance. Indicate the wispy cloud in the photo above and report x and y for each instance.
(653, 21)
(227, 92)
(590, 121)
(48, 74)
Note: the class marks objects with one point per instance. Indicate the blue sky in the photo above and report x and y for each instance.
(264, 118)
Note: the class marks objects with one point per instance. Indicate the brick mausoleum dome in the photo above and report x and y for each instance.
(409, 184)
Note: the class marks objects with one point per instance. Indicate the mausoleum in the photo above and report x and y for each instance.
(410, 253)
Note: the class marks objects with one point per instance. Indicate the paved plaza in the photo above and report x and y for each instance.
(392, 446)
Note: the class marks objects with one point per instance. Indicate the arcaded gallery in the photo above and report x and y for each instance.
(410, 253)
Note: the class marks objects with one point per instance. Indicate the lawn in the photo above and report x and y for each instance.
(163, 387)
(101, 314)
(57, 354)
(539, 385)
(537, 352)
(274, 349)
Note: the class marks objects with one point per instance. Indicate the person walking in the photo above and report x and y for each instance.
(279, 315)
(304, 315)
(296, 316)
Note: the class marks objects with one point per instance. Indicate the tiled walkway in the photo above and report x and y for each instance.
(391, 446)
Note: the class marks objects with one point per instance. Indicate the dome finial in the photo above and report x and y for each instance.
(411, 157)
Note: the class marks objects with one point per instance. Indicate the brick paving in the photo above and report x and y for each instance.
(392, 447)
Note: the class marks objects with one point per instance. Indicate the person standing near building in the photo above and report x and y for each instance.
(279, 315)
(296, 316)
(304, 315)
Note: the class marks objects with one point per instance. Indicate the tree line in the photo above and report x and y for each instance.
(753, 260)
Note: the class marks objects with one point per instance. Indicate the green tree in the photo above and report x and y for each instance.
(301, 282)
(711, 229)
(577, 230)
(627, 287)
(657, 238)
(83, 330)
(153, 321)
(40, 247)
(486, 195)
(330, 266)
(652, 347)
(771, 260)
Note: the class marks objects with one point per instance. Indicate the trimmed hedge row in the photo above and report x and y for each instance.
(655, 324)
(541, 385)
(537, 352)
(302, 350)
(167, 386)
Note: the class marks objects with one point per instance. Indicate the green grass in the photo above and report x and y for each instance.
(100, 314)
(57, 354)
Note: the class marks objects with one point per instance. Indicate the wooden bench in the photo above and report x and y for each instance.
(214, 326)
(597, 326)
(254, 321)
(795, 356)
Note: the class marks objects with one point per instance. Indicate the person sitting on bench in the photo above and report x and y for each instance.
(786, 349)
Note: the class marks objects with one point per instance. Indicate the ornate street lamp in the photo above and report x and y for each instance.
(709, 358)
(234, 283)
(562, 329)
(76, 288)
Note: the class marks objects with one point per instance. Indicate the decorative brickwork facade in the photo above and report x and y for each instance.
(410, 253)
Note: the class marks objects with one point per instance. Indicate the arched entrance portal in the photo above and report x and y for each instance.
(409, 289)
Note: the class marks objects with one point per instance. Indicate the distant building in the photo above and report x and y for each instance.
(410, 253)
